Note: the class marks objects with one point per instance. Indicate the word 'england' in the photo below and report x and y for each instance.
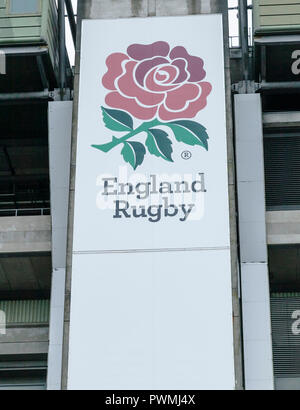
(143, 191)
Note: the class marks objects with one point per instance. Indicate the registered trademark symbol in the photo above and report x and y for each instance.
(186, 155)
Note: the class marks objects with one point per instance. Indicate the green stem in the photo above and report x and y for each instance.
(116, 141)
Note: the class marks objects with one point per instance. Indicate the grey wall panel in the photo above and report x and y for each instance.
(253, 243)
(250, 174)
(60, 124)
(152, 321)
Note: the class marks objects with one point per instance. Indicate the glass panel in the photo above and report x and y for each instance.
(24, 6)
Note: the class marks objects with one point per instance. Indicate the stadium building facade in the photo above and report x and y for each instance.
(149, 197)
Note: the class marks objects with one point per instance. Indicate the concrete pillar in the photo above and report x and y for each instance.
(95, 9)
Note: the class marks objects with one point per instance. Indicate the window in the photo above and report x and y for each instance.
(24, 7)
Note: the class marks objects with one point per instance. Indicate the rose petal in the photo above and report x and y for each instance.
(116, 100)
(155, 86)
(195, 64)
(145, 66)
(128, 87)
(114, 65)
(144, 51)
(181, 65)
(170, 74)
(161, 77)
(177, 99)
(193, 108)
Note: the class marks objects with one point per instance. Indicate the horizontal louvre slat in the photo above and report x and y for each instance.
(17, 32)
(280, 10)
(276, 2)
(282, 170)
(290, 19)
(19, 22)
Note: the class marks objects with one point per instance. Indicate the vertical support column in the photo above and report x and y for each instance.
(253, 245)
(243, 29)
(60, 122)
(72, 20)
(62, 45)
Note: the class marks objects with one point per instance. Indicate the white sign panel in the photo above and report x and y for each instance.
(151, 182)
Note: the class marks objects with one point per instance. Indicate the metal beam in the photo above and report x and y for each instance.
(278, 39)
(25, 51)
(24, 294)
(72, 20)
(24, 96)
(24, 178)
(23, 142)
(284, 85)
(62, 46)
(243, 28)
(42, 72)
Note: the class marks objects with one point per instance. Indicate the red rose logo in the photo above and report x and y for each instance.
(154, 81)
(163, 87)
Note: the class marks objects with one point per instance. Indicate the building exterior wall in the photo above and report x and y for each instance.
(273, 235)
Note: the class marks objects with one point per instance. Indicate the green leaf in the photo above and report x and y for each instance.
(189, 132)
(133, 152)
(117, 120)
(159, 144)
